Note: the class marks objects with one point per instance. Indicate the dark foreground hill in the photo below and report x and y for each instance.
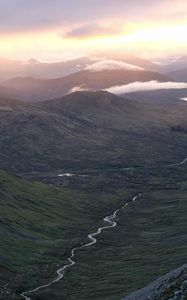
(30, 89)
(90, 130)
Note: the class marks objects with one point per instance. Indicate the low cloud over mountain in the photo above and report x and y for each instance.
(111, 65)
(81, 88)
(146, 86)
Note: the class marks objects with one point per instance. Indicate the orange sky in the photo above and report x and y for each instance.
(159, 29)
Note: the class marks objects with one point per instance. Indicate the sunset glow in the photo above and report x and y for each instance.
(162, 30)
(167, 39)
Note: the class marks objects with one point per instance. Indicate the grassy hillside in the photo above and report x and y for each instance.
(89, 130)
(40, 224)
(150, 239)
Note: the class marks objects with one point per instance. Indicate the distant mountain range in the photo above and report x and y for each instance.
(134, 60)
(36, 69)
(33, 80)
(90, 130)
(177, 63)
(41, 70)
(30, 89)
(179, 75)
(47, 70)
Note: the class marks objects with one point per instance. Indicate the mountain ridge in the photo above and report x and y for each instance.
(31, 89)
(90, 130)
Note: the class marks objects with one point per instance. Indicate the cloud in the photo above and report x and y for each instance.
(96, 58)
(94, 29)
(146, 86)
(21, 15)
(111, 65)
(27, 25)
(166, 11)
(81, 88)
(16, 15)
(28, 15)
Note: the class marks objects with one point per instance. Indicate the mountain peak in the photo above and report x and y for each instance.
(32, 61)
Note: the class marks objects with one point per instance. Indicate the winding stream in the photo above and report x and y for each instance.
(177, 164)
(92, 237)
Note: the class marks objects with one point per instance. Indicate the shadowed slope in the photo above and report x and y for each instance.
(90, 130)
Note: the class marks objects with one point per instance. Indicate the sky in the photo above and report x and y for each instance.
(63, 29)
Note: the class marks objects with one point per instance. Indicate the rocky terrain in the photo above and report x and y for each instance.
(172, 286)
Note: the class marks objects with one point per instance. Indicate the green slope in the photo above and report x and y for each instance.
(149, 241)
(40, 225)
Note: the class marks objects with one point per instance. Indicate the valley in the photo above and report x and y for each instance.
(152, 225)
(93, 150)
(92, 185)
(91, 237)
